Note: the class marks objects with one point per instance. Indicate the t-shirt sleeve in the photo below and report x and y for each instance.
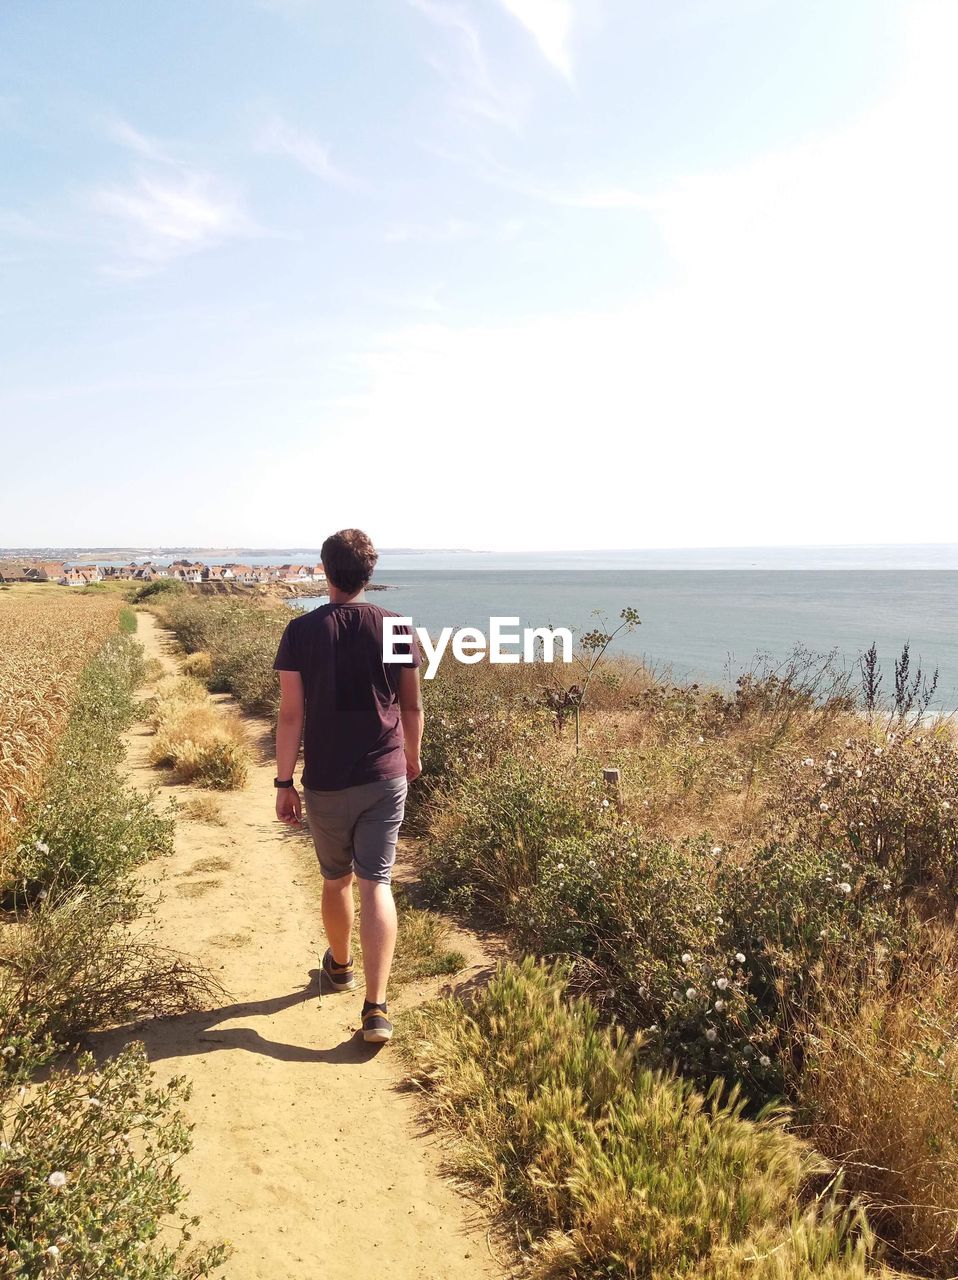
(286, 655)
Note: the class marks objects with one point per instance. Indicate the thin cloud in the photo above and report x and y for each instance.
(123, 133)
(600, 196)
(453, 230)
(278, 137)
(167, 209)
(475, 90)
(549, 22)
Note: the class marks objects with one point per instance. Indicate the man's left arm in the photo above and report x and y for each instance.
(289, 735)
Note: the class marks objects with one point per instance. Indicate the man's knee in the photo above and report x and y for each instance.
(371, 888)
(336, 884)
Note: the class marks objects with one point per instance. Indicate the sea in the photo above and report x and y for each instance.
(706, 615)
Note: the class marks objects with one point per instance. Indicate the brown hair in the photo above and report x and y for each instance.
(349, 558)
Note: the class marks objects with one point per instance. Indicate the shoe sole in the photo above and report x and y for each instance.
(377, 1037)
(340, 986)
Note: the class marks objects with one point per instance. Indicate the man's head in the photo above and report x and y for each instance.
(349, 558)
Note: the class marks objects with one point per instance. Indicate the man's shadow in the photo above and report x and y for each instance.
(188, 1034)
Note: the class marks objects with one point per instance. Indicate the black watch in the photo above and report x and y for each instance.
(283, 783)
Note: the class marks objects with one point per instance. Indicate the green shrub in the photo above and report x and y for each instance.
(159, 588)
(607, 1169)
(89, 824)
(127, 621)
(889, 804)
(241, 639)
(80, 962)
(87, 1177)
(713, 953)
(492, 828)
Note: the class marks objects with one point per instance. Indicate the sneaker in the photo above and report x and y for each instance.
(377, 1028)
(339, 976)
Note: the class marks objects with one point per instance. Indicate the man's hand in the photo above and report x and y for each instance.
(413, 768)
(289, 807)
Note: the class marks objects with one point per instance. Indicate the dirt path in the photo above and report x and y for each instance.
(306, 1156)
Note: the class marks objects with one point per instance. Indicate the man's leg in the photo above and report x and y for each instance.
(338, 916)
(377, 933)
(374, 852)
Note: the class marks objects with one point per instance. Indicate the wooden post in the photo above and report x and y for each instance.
(613, 781)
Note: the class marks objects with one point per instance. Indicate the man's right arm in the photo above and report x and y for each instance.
(411, 714)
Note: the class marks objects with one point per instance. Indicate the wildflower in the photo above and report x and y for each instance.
(691, 993)
(719, 919)
(845, 887)
(42, 847)
(721, 983)
(808, 761)
(57, 1179)
(887, 885)
(711, 1035)
(858, 773)
(701, 739)
(945, 805)
(52, 1252)
(686, 957)
(765, 1060)
(560, 866)
(833, 755)
(719, 1006)
(716, 850)
(9, 1051)
(592, 862)
(823, 806)
(43, 893)
(94, 1102)
(605, 804)
(740, 957)
(877, 751)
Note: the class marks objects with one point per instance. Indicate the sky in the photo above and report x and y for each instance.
(505, 274)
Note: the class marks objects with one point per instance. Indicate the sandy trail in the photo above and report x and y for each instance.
(306, 1156)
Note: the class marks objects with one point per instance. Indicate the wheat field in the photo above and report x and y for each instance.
(46, 639)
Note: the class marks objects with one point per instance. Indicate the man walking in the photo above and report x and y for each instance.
(360, 721)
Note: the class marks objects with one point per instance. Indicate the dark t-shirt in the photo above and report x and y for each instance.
(353, 732)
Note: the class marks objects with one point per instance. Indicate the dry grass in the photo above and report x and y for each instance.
(199, 665)
(881, 1082)
(200, 741)
(46, 640)
(607, 1169)
(83, 962)
(205, 809)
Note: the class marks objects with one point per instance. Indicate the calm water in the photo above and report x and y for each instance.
(705, 613)
(705, 624)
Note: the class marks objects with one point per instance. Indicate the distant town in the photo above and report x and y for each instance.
(186, 571)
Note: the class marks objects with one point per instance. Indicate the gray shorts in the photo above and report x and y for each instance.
(357, 828)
